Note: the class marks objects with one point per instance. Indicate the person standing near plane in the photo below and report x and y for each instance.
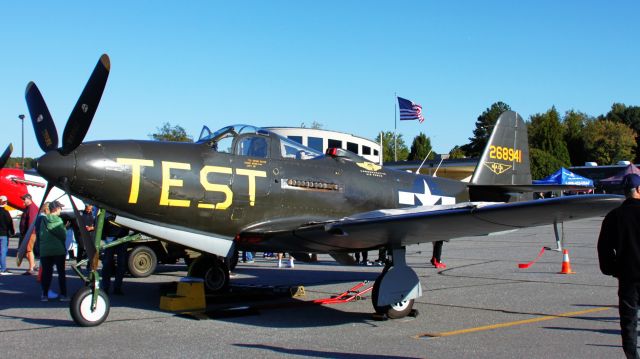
(43, 212)
(281, 257)
(365, 258)
(6, 231)
(53, 251)
(28, 217)
(619, 256)
(111, 266)
(437, 255)
(89, 219)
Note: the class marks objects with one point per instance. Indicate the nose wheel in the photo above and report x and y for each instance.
(85, 312)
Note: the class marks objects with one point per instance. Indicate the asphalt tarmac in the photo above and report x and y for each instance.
(481, 306)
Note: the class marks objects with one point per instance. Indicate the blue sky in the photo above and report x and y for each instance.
(281, 63)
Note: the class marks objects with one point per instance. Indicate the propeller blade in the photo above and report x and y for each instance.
(82, 114)
(46, 132)
(46, 193)
(6, 155)
(85, 236)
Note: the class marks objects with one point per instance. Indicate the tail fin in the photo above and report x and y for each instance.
(504, 163)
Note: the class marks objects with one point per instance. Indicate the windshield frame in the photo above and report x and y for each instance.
(212, 140)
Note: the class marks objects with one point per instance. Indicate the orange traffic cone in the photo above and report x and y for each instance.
(566, 264)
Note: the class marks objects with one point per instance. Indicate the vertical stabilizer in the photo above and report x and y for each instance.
(505, 159)
(504, 162)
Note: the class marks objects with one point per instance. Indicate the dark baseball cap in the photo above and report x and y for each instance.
(631, 181)
(55, 205)
(26, 196)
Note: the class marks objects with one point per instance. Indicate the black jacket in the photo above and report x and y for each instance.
(6, 223)
(619, 241)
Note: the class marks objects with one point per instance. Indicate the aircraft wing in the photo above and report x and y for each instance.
(414, 225)
(533, 187)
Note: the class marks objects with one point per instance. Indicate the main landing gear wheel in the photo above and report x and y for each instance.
(80, 307)
(393, 311)
(142, 262)
(214, 272)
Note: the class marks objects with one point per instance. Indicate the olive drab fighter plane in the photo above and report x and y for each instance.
(243, 187)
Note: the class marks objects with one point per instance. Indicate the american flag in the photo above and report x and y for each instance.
(410, 110)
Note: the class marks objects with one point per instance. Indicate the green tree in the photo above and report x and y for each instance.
(171, 133)
(574, 123)
(420, 147)
(16, 162)
(547, 134)
(630, 116)
(542, 163)
(456, 152)
(388, 147)
(484, 126)
(607, 142)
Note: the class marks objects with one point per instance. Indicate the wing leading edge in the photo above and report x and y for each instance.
(401, 227)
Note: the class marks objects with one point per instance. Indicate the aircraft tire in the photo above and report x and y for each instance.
(142, 262)
(80, 308)
(213, 271)
(394, 311)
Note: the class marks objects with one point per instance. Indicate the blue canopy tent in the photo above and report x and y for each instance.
(564, 177)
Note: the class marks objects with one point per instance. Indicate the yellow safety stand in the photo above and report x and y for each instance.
(190, 296)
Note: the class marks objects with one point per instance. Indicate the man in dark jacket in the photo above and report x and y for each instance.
(28, 217)
(619, 255)
(112, 232)
(6, 231)
(89, 219)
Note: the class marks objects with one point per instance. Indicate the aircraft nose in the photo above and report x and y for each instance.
(54, 167)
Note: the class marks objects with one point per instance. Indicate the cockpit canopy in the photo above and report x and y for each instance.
(245, 140)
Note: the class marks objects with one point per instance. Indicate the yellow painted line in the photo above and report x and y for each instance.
(511, 324)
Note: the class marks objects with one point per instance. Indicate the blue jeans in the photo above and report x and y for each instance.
(247, 256)
(4, 247)
(629, 301)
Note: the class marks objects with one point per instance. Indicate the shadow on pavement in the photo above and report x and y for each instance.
(319, 354)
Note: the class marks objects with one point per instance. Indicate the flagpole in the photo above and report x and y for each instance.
(380, 159)
(395, 128)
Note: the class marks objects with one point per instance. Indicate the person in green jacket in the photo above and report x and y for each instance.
(53, 234)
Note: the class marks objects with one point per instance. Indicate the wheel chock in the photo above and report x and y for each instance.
(189, 296)
(297, 292)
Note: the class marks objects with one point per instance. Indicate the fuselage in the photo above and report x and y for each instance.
(194, 187)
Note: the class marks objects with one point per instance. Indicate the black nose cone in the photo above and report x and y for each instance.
(57, 168)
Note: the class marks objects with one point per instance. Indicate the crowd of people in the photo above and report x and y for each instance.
(46, 238)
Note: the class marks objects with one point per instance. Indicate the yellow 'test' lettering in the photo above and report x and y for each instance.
(252, 174)
(135, 164)
(168, 182)
(208, 186)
